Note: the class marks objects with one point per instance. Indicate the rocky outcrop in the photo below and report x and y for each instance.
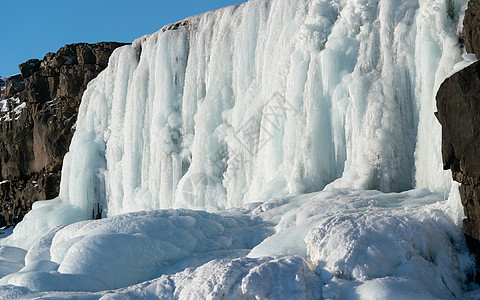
(471, 28)
(37, 116)
(458, 105)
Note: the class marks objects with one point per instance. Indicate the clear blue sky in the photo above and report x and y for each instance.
(31, 28)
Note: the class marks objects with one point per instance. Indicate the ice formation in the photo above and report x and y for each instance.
(360, 244)
(304, 128)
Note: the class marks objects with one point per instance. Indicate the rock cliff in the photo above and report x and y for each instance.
(37, 116)
(471, 28)
(458, 104)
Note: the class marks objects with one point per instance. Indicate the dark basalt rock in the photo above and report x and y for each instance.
(458, 104)
(471, 28)
(29, 67)
(34, 142)
(14, 85)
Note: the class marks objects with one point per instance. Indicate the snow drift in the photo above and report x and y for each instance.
(277, 117)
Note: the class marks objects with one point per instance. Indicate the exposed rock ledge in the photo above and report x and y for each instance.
(37, 114)
(458, 104)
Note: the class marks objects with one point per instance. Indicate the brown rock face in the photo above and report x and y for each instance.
(458, 104)
(471, 28)
(39, 109)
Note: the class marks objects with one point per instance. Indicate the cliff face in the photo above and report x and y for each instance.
(38, 111)
(458, 104)
(471, 30)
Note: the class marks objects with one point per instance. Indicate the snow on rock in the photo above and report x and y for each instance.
(3, 83)
(468, 59)
(10, 105)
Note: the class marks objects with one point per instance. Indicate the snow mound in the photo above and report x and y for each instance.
(130, 248)
(242, 278)
(335, 243)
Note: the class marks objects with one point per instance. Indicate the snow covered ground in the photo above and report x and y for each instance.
(269, 150)
(338, 244)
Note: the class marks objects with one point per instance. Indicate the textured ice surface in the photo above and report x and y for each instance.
(241, 278)
(264, 99)
(310, 122)
(131, 248)
(335, 244)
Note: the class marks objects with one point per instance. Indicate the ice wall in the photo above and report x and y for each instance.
(267, 98)
(263, 99)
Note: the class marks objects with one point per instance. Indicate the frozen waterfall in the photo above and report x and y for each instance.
(264, 99)
(266, 102)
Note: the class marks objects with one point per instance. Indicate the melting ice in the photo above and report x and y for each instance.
(272, 149)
